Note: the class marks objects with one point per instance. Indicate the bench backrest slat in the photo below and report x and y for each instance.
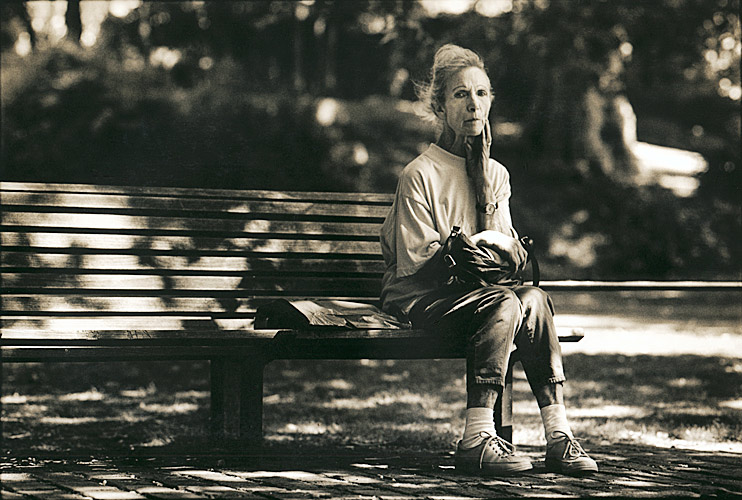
(205, 264)
(32, 188)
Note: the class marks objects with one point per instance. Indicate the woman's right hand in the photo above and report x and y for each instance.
(477, 156)
(510, 248)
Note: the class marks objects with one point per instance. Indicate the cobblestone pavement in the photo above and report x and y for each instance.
(626, 471)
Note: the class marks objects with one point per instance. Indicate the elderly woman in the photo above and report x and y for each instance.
(455, 183)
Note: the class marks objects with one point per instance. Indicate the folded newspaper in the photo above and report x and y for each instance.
(284, 313)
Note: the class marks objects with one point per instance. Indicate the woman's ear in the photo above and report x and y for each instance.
(439, 110)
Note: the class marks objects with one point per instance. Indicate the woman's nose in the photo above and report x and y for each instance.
(471, 105)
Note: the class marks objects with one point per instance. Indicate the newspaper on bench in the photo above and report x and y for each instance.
(284, 313)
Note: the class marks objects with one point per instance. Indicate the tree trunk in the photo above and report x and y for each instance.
(577, 125)
(298, 49)
(330, 53)
(577, 121)
(73, 20)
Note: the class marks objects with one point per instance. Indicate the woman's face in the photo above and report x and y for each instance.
(467, 102)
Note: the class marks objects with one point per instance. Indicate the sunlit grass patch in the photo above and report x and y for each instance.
(73, 420)
(384, 398)
(177, 407)
(134, 393)
(92, 394)
(685, 382)
(14, 399)
(157, 442)
(192, 395)
(735, 404)
(22, 411)
(310, 428)
(139, 392)
(609, 411)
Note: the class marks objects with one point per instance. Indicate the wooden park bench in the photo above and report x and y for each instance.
(104, 273)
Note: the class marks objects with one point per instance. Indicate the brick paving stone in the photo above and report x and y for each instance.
(452, 497)
(672, 492)
(31, 487)
(357, 478)
(87, 488)
(549, 491)
(382, 496)
(173, 478)
(635, 483)
(521, 485)
(10, 495)
(150, 489)
(307, 481)
(364, 484)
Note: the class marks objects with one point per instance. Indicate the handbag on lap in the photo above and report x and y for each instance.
(463, 262)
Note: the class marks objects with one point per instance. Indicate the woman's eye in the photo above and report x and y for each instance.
(483, 93)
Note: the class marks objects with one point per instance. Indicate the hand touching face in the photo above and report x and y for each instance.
(467, 103)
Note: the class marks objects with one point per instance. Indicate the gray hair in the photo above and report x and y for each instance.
(448, 60)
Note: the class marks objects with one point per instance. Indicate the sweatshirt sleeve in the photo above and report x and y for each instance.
(502, 195)
(417, 238)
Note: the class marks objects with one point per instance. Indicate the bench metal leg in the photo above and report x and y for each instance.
(237, 399)
(504, 408)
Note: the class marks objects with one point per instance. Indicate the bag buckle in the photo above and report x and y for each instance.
(450, 262)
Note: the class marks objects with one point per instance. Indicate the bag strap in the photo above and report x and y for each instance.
(527, 243)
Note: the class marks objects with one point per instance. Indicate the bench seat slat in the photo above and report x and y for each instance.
(108, 336)
(123, 353)
(348, 349)
(353, 349)
(399, 344)
(205, 333)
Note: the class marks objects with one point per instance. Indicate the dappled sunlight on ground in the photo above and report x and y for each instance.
(383, 399)
(735, 404)
(172, 408)
(644, 399)
(310, 428)
(683, 401)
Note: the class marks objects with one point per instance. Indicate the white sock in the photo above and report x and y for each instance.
(555, 419)
(477, 420)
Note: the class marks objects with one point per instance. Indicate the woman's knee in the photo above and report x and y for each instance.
(535, 299)
(500, 308)
(499, 299)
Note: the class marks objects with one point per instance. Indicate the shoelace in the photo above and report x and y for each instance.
(573, 450)
(497, 444)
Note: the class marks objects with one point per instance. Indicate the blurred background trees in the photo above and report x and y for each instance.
(320, 95)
